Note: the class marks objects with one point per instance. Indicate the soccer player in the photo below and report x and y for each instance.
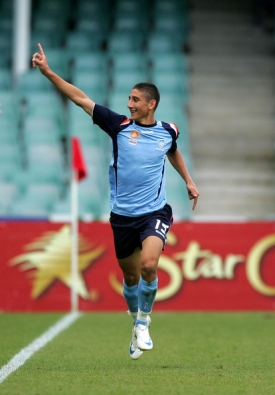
(140, 216)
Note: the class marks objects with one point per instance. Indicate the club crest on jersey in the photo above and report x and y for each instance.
(161, 143)
(134, 135)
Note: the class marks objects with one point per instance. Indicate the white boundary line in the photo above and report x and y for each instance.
(27, 352)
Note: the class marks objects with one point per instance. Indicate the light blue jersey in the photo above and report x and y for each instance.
(137, 168)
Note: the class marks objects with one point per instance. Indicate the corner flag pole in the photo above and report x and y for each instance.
(78, 173)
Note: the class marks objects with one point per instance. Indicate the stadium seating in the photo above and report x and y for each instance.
(38, 130)
(78, 42)
(59, 60)
(119, 41)
(129, 61)
(125, 80)
(93, 8)
(173, 62)
(89, 134)
(104, 48)
(91, 62)
(172, 84)
(9, 192)
(93, 84)
(9, 153)
(37, 201)
(5, 79)
(10, 106)
(162, 43)
(132, 7)
(117, 101)
(5, 39)
(32, 81)
(44, 105)
(177, 195)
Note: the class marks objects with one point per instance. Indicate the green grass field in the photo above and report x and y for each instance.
(194, 353)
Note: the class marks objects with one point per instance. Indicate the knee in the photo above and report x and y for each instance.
(149, 270)
(130, 279)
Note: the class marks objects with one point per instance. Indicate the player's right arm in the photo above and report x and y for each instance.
(72, 92)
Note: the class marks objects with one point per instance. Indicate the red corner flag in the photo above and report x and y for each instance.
(78, 163)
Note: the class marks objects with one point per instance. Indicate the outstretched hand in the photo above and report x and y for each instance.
(39, 59)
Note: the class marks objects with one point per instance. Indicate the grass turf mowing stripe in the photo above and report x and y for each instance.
(26, 353)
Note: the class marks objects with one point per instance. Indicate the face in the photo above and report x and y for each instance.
(141, 110)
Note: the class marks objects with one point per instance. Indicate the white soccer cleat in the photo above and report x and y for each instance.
(134, 351)
(144, 341)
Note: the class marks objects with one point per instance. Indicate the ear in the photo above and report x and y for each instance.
(152, 104)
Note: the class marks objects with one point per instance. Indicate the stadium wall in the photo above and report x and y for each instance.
(204, 267)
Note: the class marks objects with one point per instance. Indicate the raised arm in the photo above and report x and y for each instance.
(178, 163)
(72, 92)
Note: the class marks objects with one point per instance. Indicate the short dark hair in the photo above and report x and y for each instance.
(150, 90)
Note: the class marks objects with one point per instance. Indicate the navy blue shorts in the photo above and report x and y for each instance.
(129, 232)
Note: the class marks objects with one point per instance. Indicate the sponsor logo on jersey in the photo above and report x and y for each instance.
(134, 135)
(147, 132)
(161, 143)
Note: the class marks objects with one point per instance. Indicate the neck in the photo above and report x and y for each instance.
(149, 120)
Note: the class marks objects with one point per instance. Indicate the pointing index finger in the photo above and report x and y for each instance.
(40, 49)
(195, 203)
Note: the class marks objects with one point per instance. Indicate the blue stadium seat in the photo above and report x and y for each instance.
(95, 61)
(173, 7)
(162, 43)
(39, 130)
(78, 42)
(117, 101)
(45, 153)
(48, 100)
(59, 61)
(9, 193)
(5, 79)
(48, 105)
(130, 61)
(124, 81)
(174, 62)
(136, 23)
(10, 153)
(121, 41)
(33, 81)
(177, 195)
(172, 83)
(95, 26)
(130, 7)
(93, 84)
(9, 130)
(60, 8)
(37, 201)
(93, 8)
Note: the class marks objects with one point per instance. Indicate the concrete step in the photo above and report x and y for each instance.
(218, 209)
(258, 127)
(231, 113)
(225, 6)
(234, 176)
(219, 26)
(228, 33)
(213, 104)
(229, 50)
(221, 62)
(204, 84)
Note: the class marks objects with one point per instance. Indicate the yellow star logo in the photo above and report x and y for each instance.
(50, 255)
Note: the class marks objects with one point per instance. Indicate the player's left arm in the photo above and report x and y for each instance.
(177, 161)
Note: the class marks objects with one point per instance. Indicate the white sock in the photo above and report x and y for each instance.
(134, 316)
(141, 316)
